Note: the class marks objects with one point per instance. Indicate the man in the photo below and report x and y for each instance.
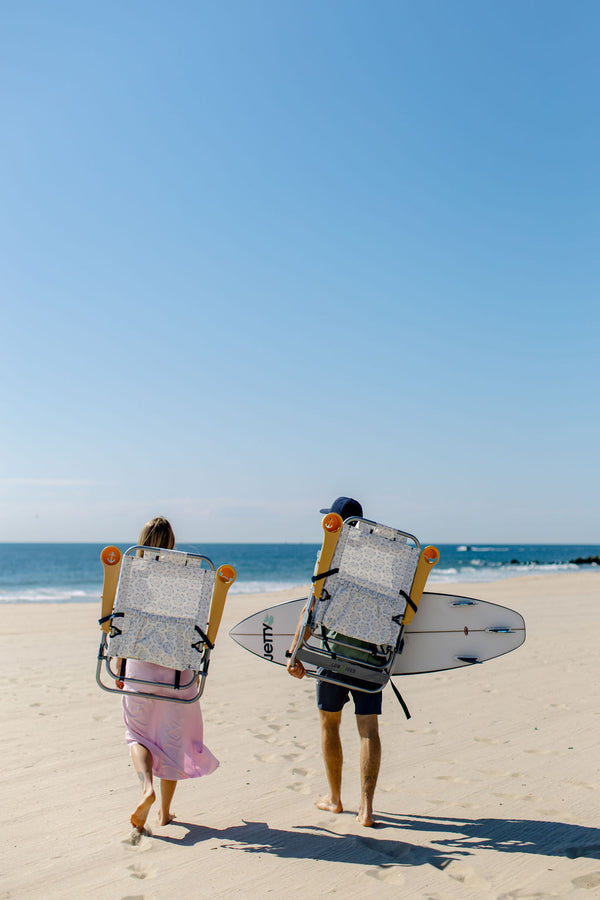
(330, 701)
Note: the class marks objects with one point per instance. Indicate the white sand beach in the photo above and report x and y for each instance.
(491, 790)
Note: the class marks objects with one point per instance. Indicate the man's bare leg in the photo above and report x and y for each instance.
(167, 789)
(333, 757)
(142, 760)
(370, 759)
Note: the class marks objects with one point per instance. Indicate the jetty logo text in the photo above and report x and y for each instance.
(268, 638)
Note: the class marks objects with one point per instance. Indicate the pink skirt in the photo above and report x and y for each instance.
(172, 732)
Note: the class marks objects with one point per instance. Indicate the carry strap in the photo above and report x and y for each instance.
(400, 699)
(204, 640)
(409, 601)
(326, 642)
(114, 630)
(316, 578)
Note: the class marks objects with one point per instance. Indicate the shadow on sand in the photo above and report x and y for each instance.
(455, 838)
(505, 835)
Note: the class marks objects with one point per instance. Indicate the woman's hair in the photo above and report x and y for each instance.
(157, 533)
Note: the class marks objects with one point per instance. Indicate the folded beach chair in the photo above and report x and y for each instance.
(160, 606)
(367, 585)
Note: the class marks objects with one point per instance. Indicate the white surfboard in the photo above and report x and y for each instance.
(447, 632)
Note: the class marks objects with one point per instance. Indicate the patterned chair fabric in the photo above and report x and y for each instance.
(362, 600)
(162, 597)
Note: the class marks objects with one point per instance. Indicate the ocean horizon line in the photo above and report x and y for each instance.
(67, 571)
(459, 545)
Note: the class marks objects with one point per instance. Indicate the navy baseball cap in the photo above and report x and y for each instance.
(345, 507)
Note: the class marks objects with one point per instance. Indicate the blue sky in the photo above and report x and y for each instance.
(254, 255)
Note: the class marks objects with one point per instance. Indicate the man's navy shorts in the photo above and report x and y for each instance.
(331, 698)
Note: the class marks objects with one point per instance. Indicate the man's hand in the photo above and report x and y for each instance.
(296, 669)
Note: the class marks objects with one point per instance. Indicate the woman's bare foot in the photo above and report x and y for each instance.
(329, 805)
(165, 818)
(140, 814)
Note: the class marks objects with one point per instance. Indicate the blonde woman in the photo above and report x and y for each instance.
(165, 739)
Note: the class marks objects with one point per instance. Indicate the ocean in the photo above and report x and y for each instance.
(72, 573)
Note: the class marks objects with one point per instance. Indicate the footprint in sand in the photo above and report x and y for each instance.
(326, 823)
(466, 875)
(265, 757)
(269, 723)
(298, 786)
(267, 738)
(522, 895)
(141, 872)
(392, 875)
(587, 882)
(385, 788)
(137, 840)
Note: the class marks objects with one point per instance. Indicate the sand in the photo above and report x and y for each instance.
(491, 790)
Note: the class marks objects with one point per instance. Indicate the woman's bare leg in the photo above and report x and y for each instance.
(167, 789)
(142, 761)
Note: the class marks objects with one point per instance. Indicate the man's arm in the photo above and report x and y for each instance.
(296, 668)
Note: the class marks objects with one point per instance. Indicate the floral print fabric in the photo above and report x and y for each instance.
(162, 596)
(375, 563)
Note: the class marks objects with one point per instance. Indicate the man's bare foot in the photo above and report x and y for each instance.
(329, 805)
(140, 814)
(365, 817)
(165, 818)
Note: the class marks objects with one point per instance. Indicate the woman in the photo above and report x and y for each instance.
(165, 739)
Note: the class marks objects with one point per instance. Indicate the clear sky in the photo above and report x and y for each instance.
(258, 253)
